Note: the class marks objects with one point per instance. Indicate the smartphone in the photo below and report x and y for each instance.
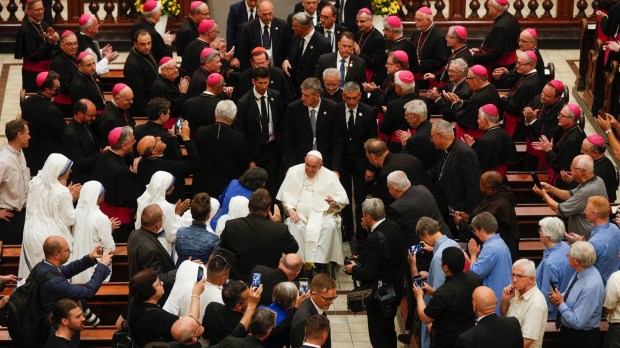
(451, 210)
(178, 125)
(103, 249)
(536, 180)
(201, 274)
(256, 279)
(416, 248)
(418, 281)
(303, 285)
(552, 284)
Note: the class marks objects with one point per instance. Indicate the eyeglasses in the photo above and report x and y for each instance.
(68, 250)
(472, 77)
(329, 299)
(197, 328)
(171, 67)
(573, 168)
(70, 43)
(519, 276)
(564, 116)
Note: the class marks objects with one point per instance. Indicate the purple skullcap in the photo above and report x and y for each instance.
(490, 110)
(164, 60)
(41, 77)
(150, 5)
(501, 2)
(214, 79)
(115, 135)
(532, 55)
(206, 51)
(575, 109)
(205, 25)
(596, 139)
(460, 31)
(118, 88)
(401, 55)
(394, 22)
(405, 76)
(84, 18)
(425, 10)
(479, 70)
(66, 33)
(195, 4)
(532, 32)
(83, 55)
(365, 10)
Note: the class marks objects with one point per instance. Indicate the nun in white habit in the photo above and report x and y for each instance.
(162, 184)
(50, 210)
(237, 208)
(92, 227)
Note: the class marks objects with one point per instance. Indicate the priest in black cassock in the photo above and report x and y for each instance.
(165, 86)
(560, 153)
(528, 41)
(45, 122)
(200, 110)
(432, 52)
(380, 96)
(495, 149)
(188, 31)
(541, 118)
(191, 61)
(457, 84)
(35, 44)
(211, 62)
(65, 63)
(277, 78)
(393, 31)
(119, 180)
(85, 84)
(331, 83)
(370, 45)
(89, 28)
(456, 39)
(465, 113)
(140, 71)
(115, 113)
(151, 13)
(417, 142)
(524, 86)
(79, 142)
(499, 45)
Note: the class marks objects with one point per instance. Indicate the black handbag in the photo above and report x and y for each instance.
(122, 338)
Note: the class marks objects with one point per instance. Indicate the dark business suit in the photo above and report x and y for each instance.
(383, 261)
(298, 326)
(492, 331)
(303, 64)
(256, 240)
(462, 89)
(79, 144)
(251, 36)
(237, 16)
(199, 111)
(355, 72)
(413, 167)
(354, 162)
(277, 81)
(336, 30)
(298, 138)
(421, 146)
(145, 251)
(270, 277)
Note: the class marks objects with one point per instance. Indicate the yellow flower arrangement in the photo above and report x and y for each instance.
(386, 7)
(168, 7)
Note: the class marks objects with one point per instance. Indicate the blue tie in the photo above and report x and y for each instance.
(342, 73)
(266, 38)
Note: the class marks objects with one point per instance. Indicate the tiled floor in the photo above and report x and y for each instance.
(348, 331)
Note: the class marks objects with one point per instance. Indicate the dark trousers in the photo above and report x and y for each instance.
(12, 232)
(357, 188)
(29, 81)
(579, 338)
(121, 234)
(612, 338)
(381, 328)
(270, 160)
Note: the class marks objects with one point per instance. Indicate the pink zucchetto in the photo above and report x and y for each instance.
(195, 4)
(83, 55)
(532, 55)
(41, 77)
(532, 32)
(150, 5)
(118, 88)
(479, 70)
(575, 109)
(460, 31)
(596, 140)
(115, 135)
(490, 110)
(214, 79)
(402, 56)
(501, 2)
(205, 25)
(405, 76)
(84, 18)
(206, 51)
(557, 85)
(66, 33)
(394, 22)
(164, 60)
(365, 10)
(425, 10)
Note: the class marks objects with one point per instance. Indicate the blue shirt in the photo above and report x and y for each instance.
(494, 266)
(232, 190)
(436, 276)
(554, 265)
(280, 312)
(606, 242)
(584, 305)
(195, 241)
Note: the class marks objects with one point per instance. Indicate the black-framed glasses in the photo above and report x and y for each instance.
(329, 299)
(197, 327)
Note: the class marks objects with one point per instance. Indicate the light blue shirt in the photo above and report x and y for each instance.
(584, 305)
(494, 266)
(554, 265)
(606, 242)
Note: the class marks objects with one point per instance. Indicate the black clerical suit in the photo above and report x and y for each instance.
(492, 331)
(355, 69)
(252, 35)
(495, 149)
(421, 146)
(199, 111)
(79, 144)
(500, 43)
(140, 71)
(111, 118)
(432, 54)
(462, 89)
(347, 12)
(525, 88)
(382, 259)
(169, 90)
(277, 81)
(303, 64)
(191, 57)
(466, 115)
(221, 145)
(187, 33)
(336, 97)
(372, 49)
(413, 167)
(66, 67)
(462, 53)
(563, 152)
(46, 124)
(402, 44)
(382, 96)
(87, 87)
(298, 138)
(198, 82)
(86, 42)
(159, 48)
(172, 151)
(36, 52)
(394, 119)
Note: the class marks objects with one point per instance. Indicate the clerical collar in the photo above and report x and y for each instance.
(451, 146)
(399, 39)
(458, 83)
(150, 21)
(491, 128)
(429, 28)
(462, 48)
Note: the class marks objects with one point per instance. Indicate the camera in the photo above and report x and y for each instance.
(348, 260)
(90, 317)
(418, 281)
(416, 248)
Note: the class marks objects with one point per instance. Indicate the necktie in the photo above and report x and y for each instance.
(351, 124)
(251, 14)
(342, 72)
(300, 53)
(264, 120)
(313, 121)
(330, 38)
(558, 319)
(313, 20)
(266, 38)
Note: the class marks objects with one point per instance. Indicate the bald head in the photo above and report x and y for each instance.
(492, 180)
(151, 216)
(484, 300)
(150, 146)
(183, 329)
(53, 244)
(291, 265)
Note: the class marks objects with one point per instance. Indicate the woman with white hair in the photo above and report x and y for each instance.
(554, 266)
(237, 208)
(50, 210)
(162, 184)
(92, 227)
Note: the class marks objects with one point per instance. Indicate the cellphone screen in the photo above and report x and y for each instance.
(303, 285)
(201, 273)
(256, 279)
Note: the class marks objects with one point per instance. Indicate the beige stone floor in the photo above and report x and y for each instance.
(348, 331)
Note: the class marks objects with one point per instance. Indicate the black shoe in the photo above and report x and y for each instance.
(404, 338)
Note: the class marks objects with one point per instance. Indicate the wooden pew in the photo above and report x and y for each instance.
(528, 217)
(111, 78)
(521, 183)
(100, 337)
(588, 36)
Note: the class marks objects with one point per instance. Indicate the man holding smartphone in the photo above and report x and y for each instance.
(288, 269)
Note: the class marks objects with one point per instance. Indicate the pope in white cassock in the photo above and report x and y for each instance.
(313, 196)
